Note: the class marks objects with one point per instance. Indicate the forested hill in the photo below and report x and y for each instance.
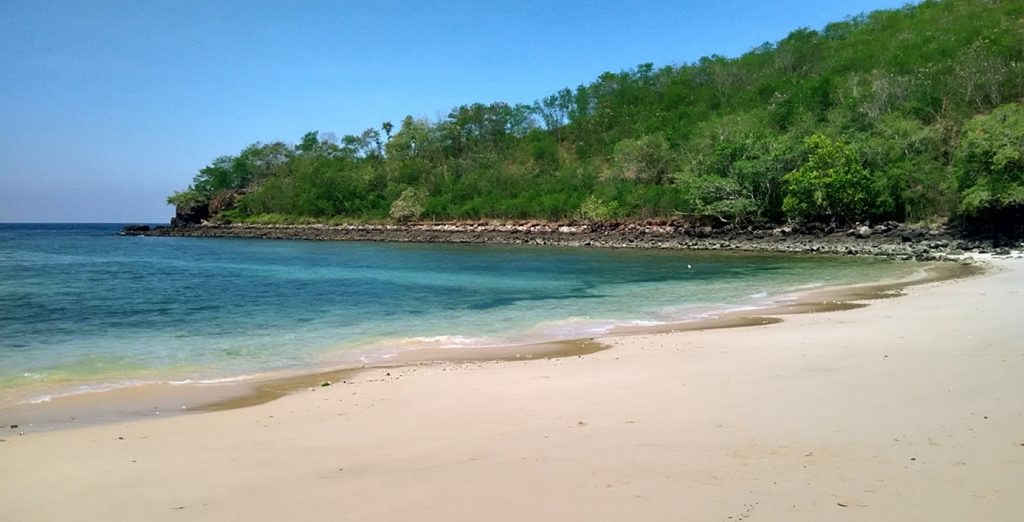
(911, 114)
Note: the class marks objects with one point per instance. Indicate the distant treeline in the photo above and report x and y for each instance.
(910, 114)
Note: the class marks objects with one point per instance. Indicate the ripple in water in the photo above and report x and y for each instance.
(82, 308)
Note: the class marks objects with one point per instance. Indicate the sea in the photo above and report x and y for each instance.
(83, 309)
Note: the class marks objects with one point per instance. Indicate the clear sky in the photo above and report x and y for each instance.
(106, 107)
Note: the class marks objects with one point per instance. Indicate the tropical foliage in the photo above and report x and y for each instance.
(907, 114)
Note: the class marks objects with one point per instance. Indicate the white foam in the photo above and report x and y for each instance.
(440, 341)
(83, 390)
(645, 322)
(218, 380)
(447, 341)
(816, 284)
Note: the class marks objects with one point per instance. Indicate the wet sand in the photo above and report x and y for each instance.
(906, 409)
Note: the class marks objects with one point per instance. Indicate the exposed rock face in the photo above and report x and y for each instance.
(225, 201)
(185, 215)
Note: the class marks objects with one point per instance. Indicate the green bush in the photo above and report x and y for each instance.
(644, 160)
(989, 163)
(410, 205)
(718, 197)
(830, 185)
(595, 210)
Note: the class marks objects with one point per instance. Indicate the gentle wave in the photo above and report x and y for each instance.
(84, 389)
(219, 380)
(123, 311)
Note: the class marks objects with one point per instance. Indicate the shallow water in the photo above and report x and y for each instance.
(82, 308)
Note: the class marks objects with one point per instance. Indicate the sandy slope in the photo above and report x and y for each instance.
(909, 409)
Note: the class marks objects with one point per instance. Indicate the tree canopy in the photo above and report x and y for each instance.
(907, 114)
(990, 161)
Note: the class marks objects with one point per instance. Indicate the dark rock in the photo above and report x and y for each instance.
(195, 214)
(128, 230)
(899, 243)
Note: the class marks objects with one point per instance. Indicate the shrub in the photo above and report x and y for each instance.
(594, 209)
(644, 160)
(409, 205)
(830, 185)
(989, 163)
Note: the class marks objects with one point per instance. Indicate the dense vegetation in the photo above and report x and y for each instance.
(911, 114)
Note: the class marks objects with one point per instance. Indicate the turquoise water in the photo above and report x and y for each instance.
(82, 308)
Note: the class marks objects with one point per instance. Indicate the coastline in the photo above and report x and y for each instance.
(891, 240)
(905, 409)
(165, 399)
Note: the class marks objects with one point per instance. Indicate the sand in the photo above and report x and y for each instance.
(908, 409)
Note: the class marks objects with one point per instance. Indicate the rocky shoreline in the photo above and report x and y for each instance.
(891, 240)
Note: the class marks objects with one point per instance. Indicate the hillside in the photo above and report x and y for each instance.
(913, 114)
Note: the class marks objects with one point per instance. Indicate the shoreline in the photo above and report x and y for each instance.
(147, 400)
(891, 240)
(905, 409)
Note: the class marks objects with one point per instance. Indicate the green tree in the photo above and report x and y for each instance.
(410, 205)
(990, 162)
(911, 181)
(595, 210)
(719, 137)
(830, 185)
(644, 160)
(718, 197)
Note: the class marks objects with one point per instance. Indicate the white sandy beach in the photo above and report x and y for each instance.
(909, 409)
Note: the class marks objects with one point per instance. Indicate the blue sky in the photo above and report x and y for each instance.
(107, 106)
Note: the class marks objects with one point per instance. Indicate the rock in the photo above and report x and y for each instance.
(225, 201)
(129, 230)
(195, 214)
(898, 242)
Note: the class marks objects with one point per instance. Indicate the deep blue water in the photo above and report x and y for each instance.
(81, 307)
